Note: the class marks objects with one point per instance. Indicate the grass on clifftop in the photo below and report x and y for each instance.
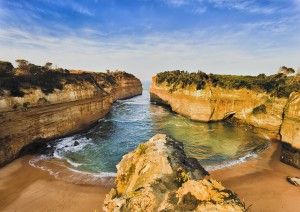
(27, 75)
(279, 85)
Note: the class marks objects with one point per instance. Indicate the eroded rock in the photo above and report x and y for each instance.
(271, 117)
(158, 176)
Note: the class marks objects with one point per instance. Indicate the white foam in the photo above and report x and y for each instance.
(138, 103)
(67, 145)
(68, 174)
(230, 163)
(128, 120)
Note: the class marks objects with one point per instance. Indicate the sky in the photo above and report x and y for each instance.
(144, 37)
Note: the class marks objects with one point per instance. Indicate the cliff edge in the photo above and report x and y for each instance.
(39, 103)
(158, 176)
(268, 103)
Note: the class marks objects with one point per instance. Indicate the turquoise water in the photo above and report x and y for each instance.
(135, 120)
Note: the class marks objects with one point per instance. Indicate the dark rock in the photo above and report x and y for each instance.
(76, 143)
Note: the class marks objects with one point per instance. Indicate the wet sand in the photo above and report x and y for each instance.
(260, 183)
(25, 188)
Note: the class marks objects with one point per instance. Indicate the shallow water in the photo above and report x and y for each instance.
(134, 121)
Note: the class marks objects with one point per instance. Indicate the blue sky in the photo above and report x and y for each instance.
(148, 36)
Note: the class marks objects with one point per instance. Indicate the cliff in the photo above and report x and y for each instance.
(158, 176)
(274, 117)
(290, 131)
(36, 115)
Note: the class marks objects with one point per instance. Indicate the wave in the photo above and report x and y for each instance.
(70, 144)
(128, 120)
(137, 103)
(61, 171)
(254, 154)
(230, 163)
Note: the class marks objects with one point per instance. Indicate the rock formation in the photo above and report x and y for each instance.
(38, 116)
(277, 118)
(158, 176)
(290, 131)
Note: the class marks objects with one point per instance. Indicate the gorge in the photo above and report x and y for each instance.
(88, 158)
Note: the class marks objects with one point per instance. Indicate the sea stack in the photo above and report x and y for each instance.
(158, 176)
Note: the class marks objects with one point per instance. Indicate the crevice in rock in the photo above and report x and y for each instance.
(283, 116)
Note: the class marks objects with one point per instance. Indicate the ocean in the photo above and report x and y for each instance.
(91, 157)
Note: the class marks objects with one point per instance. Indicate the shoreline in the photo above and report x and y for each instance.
(260, 182)
(25, 188)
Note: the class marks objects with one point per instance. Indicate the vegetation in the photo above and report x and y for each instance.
(261, 109)
(279, 85)
(28, 75)
(181, 177)
(285, 70)
(6, 68)
(142, 149)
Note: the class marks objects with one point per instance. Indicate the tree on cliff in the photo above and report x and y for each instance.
(6, 68)
(48, 66)
(285, 70)
(22, 64)
(34, 69)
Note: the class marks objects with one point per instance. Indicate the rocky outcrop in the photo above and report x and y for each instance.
(158, 176)
(275, 117)
(290, 131)
(38, 117)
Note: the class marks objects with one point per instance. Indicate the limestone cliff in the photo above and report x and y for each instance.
(290, 131)
(276, 117)
(158, 176)
(38, 116)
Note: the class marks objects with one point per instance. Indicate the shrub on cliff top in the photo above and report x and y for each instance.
(278, 85)
(48, 79)
(6, 68)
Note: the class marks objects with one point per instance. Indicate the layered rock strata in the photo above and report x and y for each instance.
(278, 118)
(158, 176)
(290, 131)
(38, 117)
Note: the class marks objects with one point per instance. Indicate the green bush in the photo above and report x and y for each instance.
(278, 85)
(261, 109)
(181, 177)
(6, 68)
(142, 149)
(48, 79)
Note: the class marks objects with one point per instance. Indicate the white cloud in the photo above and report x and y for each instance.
(177, 3)
(248, 48)
(251, 6)
(212, 50)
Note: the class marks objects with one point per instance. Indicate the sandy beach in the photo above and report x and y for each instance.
(260, 182)
(25, 188)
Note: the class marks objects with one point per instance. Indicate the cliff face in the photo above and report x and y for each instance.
(277, 117)
(290, 131)
(37, 116)
(125, 88)
(158, 176)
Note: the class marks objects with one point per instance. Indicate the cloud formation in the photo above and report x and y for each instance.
(100, 35)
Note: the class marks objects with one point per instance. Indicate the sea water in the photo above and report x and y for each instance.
(133, 121)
